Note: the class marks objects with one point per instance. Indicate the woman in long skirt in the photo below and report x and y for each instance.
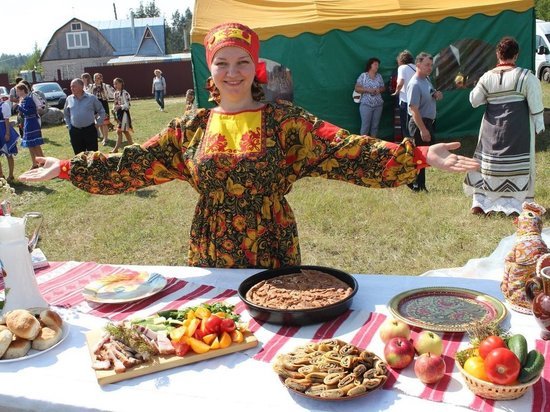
(506, 145)
(122, 110)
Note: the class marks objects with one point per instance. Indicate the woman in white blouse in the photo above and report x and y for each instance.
(159, 88)
(122, 111)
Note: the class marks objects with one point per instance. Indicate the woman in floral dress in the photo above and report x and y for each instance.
(243, 156)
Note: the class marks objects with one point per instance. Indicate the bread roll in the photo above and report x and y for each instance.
(5, 340)
(51, 319)
(46, 338)
(36, 310)
(23, 324)
(18, 348)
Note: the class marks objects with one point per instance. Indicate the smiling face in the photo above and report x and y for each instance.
(233, 72)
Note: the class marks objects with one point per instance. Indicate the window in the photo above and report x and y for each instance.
(76, 26)
(78, 40)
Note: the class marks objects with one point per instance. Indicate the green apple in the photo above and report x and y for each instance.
(428, 342)
(394, 328)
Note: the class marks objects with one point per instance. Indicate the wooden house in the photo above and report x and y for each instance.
(78, 44)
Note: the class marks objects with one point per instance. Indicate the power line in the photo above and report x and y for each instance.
(20, 56)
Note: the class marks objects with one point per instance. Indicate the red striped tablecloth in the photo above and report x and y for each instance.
(61, 284)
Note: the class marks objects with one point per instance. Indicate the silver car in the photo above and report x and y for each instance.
(52, 91)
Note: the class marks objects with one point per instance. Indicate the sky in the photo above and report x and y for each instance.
(44, 17)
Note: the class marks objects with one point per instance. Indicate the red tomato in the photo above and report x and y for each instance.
(490, 343)
(213, 324)
(502, 366)
(199, 334)
(181, 348)
(227, 325)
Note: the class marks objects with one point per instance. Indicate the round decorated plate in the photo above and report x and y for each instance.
(124, 287)
(446, 309)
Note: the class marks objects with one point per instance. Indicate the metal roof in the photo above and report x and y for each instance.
(149, 59)
(126, 35)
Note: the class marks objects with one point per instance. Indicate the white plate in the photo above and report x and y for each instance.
(116, 289)
(33, 352)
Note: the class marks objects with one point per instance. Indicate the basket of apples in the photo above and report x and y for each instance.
(399, 350)
(499, 366)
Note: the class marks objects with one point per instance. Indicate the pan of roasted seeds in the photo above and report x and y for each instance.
(331, 370)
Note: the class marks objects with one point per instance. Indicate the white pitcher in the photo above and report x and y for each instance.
(21, 288)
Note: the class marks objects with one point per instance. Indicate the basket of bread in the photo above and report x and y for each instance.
(25, 330)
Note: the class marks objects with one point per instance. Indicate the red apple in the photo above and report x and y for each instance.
(394, 328)
(399, 352)
(429, 368)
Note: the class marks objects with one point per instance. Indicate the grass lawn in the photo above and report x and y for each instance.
(356, 229)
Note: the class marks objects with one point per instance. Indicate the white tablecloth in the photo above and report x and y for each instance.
(62, 379)
(489, 267)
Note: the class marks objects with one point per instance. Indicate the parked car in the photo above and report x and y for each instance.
(5, 91)
(55, 96)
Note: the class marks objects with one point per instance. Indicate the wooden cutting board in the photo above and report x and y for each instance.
(160, 363)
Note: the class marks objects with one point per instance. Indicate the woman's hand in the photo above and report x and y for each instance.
(49, 169)
(439, 156)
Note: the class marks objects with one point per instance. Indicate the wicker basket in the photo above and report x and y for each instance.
(489, 390)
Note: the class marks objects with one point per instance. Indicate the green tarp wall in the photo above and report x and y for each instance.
(325, 67)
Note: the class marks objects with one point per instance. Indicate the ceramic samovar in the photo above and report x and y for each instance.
(538, 292)
(20, 286)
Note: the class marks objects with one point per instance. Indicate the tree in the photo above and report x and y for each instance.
(10, 63)
(177, 30)
(542, 9)
(149, 10)
(33, 62)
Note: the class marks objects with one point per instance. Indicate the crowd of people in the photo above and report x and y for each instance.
(243, 156)
(513, 117)
(86, 114)
(503, 180)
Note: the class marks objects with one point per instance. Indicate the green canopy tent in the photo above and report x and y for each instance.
(325, 45)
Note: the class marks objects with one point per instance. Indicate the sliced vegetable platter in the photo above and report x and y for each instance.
(166, 340)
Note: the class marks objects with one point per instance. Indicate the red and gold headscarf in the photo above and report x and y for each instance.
(236, 35)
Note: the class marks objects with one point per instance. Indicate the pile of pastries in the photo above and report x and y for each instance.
(331, 369)
(307, 289)
(21, 330)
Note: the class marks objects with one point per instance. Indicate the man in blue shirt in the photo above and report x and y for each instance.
(422, 97)
(82, 111)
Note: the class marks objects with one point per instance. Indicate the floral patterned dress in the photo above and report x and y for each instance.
(242, 165)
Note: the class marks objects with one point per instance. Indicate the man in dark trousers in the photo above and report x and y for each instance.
(421, 96)
(81, 112)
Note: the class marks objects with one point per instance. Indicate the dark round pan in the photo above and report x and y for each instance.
(297, 316)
